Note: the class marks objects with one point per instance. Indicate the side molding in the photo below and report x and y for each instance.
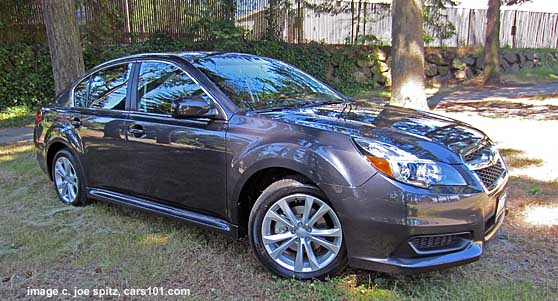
(191, 217)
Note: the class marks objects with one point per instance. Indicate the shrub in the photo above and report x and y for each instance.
(27, 76)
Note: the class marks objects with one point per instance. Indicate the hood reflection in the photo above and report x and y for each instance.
(421, 130)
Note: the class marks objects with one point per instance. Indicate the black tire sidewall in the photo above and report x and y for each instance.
(81, 197)
(262, 205)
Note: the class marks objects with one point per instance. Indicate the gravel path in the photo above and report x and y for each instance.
(8, 135)
(469, 94)
(536, 138)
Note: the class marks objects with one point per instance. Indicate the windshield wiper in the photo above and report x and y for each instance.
(319, 103)
(306, 104)
(248, 104)
(273, 109)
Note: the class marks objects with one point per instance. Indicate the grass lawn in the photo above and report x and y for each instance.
(16, 117)
(547, 73)
(45, 244)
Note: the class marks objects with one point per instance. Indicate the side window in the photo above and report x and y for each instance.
(80, 93)
(160, 84)
(107, 88)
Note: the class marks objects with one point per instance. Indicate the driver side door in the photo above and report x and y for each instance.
(179, 162)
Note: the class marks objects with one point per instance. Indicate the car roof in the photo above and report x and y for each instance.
(189, 56)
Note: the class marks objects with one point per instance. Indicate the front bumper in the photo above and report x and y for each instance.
(381, 217)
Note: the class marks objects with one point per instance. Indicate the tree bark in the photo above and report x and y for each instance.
(407, 61)
(491, 74)
(62, 30)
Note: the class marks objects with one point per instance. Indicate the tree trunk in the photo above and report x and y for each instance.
(491, 72)
(62, 30)
(407, 61)
(357, 30)
(352, 21)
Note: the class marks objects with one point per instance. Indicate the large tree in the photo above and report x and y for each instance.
(491, 73)
(62, 30)
(407, 60)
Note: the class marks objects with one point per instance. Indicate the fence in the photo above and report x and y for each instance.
(294, 21)
(339, 22)
(119, 21)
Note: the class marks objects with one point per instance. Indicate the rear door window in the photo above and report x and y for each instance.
(108, 87)
(80, 93)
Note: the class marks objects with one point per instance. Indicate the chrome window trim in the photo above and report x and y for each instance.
(206, 91)
(164, 116)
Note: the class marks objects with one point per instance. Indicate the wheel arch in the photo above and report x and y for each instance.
(53, 148)
(256, 181)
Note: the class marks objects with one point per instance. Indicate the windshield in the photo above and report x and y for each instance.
(259, 83)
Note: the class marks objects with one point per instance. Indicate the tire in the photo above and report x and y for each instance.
(71, 172)
(268, 219)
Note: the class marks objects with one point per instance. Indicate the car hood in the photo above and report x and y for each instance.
(425, 135)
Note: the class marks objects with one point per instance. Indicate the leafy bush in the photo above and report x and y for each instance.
(16, 116)
(26, 77)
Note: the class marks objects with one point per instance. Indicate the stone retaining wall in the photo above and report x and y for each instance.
(450, 65)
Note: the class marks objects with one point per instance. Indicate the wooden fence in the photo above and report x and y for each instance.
(294, 21)
(119, 21)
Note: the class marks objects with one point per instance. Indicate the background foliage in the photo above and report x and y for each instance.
(27, 76)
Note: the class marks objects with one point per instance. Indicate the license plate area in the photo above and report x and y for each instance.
(501, 203)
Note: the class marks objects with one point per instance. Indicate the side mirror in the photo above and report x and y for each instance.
(192, 106)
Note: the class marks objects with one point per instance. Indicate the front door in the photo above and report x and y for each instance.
(180, 162)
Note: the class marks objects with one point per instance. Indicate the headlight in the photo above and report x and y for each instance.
(407, 168)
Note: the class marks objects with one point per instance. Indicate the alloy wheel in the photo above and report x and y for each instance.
(66, 179)
(301, 233)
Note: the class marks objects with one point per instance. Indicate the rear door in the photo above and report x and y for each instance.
(180, 162)
(101, 105)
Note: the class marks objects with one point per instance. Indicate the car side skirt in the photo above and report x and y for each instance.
(194, 218)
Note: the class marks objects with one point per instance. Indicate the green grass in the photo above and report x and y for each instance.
(16, 117)
(44, 243)
(547, 73)
(380, 93)
(506, 152)
(515, 159)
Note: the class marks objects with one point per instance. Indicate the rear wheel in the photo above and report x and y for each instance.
(67, 178)
(295, 232)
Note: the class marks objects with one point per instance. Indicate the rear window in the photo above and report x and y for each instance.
(105, 89)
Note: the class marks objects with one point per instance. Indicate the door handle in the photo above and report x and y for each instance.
(136, 131)
(76, 122)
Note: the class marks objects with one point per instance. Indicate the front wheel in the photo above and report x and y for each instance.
(295, 232)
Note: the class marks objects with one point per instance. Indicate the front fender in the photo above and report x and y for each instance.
(316, 167)
(328, 167)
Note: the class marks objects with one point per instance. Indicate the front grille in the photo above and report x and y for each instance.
(429, 244)
(476, 154)
(491, 174)
(480, 161)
